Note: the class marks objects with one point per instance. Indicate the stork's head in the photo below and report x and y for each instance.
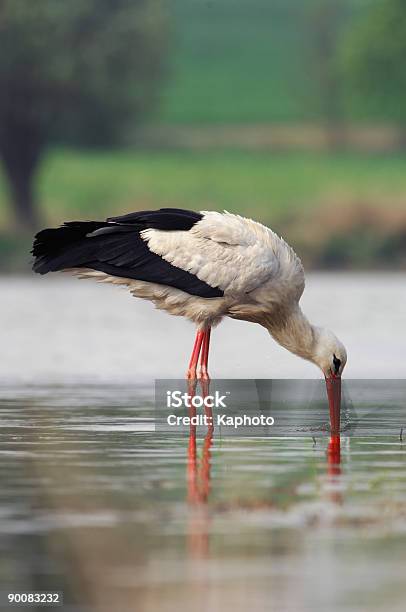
(329, 353)
(321, 347)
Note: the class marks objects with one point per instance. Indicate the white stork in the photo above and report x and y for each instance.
(203, 266)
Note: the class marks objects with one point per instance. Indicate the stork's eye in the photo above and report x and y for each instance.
(337, 364)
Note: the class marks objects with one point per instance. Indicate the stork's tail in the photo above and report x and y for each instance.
(63, 247)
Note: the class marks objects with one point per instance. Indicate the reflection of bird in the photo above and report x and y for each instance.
(198, 479)
(203, 266)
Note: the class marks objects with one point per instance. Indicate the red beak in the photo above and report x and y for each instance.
(333, 384)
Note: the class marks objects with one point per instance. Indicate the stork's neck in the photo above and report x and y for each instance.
(293, 331)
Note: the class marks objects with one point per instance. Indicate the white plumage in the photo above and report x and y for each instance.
(228, 251)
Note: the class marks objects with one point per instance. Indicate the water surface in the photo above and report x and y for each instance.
(94, 502)
(57, 329)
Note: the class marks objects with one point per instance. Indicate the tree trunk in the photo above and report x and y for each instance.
(20, 150)
(22, 192)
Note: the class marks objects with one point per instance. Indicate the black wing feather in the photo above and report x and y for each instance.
(170, 219)
(116, 247)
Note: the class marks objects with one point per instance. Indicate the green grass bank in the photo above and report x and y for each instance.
(316, 200)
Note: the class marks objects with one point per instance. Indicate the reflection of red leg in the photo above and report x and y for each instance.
(193, 492)
(204, 360)
(191, 372)
(199, 482)
(205, 465)
(334, 467)
(334, 455)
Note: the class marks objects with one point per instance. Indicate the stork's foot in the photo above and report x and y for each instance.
(191, 387)
(191, 374)
(205, 386)
(204, 375)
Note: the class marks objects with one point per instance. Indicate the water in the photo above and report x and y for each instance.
(95, 503)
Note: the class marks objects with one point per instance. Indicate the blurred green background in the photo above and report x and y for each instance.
(291, 112)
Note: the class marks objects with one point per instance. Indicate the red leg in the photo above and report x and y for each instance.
(204, 360)
(193, 490)
(191, 372)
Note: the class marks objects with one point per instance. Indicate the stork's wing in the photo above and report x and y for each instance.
(168, 219)
(116, 248)
(230, 252)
